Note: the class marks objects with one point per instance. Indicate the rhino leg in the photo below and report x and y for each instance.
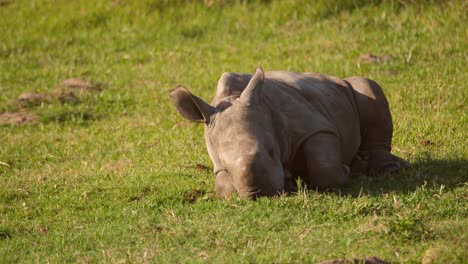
(376, 127)
(323, 160)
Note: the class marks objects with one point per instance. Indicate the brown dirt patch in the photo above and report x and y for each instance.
(79, 84)
(67, 91)
(198, 167)
(18, 118)
(193, 195)
(70, 89)
(201, 167)
(426, 143)
(371, 58)
(34, 98)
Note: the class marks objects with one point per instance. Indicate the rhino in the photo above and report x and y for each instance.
(268, 131)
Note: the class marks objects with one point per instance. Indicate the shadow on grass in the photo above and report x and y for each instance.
(432, 173)
(428, 172)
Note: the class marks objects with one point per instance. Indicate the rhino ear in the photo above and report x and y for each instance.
(252, 93)
(190, 106)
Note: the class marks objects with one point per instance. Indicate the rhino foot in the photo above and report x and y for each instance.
(382, 162)
(395, 165)
(376, 162)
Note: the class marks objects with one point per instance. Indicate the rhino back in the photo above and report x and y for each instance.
(310, 103)
(302, 105)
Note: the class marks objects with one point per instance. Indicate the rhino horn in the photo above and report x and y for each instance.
(252, 93)
(190, 106)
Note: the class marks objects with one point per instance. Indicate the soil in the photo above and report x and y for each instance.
(18, 118)
(67, 91)
(201, 167)
(34, 98)
(70, 89)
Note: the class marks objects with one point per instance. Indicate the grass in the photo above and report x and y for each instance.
(119, 176)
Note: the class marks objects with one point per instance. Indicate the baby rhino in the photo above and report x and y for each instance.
(265, 131)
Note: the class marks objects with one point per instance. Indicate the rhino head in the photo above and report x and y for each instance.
(240, 139)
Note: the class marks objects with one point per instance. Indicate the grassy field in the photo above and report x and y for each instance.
(116, 175)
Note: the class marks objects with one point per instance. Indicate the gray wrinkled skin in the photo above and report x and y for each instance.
(264, 131)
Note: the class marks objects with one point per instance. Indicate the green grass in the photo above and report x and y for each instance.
(114, 178)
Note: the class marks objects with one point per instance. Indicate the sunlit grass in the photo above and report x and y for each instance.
(119, 176)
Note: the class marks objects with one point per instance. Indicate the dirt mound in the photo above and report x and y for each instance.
(67, 91)
(78, 84)
(18, 118)
(34, 98)
(70, 89)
